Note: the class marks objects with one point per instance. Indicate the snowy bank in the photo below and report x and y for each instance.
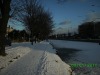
(50, 63)
(89, 54)
(53, 65)
(36, 59)
(12, 55)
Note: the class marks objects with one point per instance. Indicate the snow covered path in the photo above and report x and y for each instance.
(41, 60)
(24, 66)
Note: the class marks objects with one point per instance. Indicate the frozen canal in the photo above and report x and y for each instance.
(84, 51)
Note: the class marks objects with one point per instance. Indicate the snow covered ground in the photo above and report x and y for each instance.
(89, 54)
(39, 59)
(12, 55)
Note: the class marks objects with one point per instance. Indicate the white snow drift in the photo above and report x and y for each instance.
(36, 59)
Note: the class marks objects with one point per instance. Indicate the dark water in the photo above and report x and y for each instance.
(70, 55)
(67, 54)
(76, 56)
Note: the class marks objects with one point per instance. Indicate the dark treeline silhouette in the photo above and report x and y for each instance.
(18, 36)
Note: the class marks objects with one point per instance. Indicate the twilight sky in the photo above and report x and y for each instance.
(71, 13)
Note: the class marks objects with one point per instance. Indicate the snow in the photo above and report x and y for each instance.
(12, 55)
(53, 65)
(76, 45)
(36, 59)
(89, 53)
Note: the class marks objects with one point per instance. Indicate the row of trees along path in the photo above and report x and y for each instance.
(37, 21)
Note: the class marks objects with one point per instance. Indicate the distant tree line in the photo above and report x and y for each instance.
(18, 36)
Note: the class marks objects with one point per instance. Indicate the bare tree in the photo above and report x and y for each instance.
(45, 23)
(5, 10)
(8, 9)
(38, 21)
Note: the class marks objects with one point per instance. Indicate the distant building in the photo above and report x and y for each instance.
(97, 29)
(9, 29)
(89, 30)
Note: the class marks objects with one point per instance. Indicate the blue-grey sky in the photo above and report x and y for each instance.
(71, 13)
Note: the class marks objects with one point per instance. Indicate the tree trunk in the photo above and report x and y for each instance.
(5, 9)
(2, 43)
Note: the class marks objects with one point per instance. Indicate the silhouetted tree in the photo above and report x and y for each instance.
(45, 24)
(36, 19)
(5, 10)
(8, 9)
